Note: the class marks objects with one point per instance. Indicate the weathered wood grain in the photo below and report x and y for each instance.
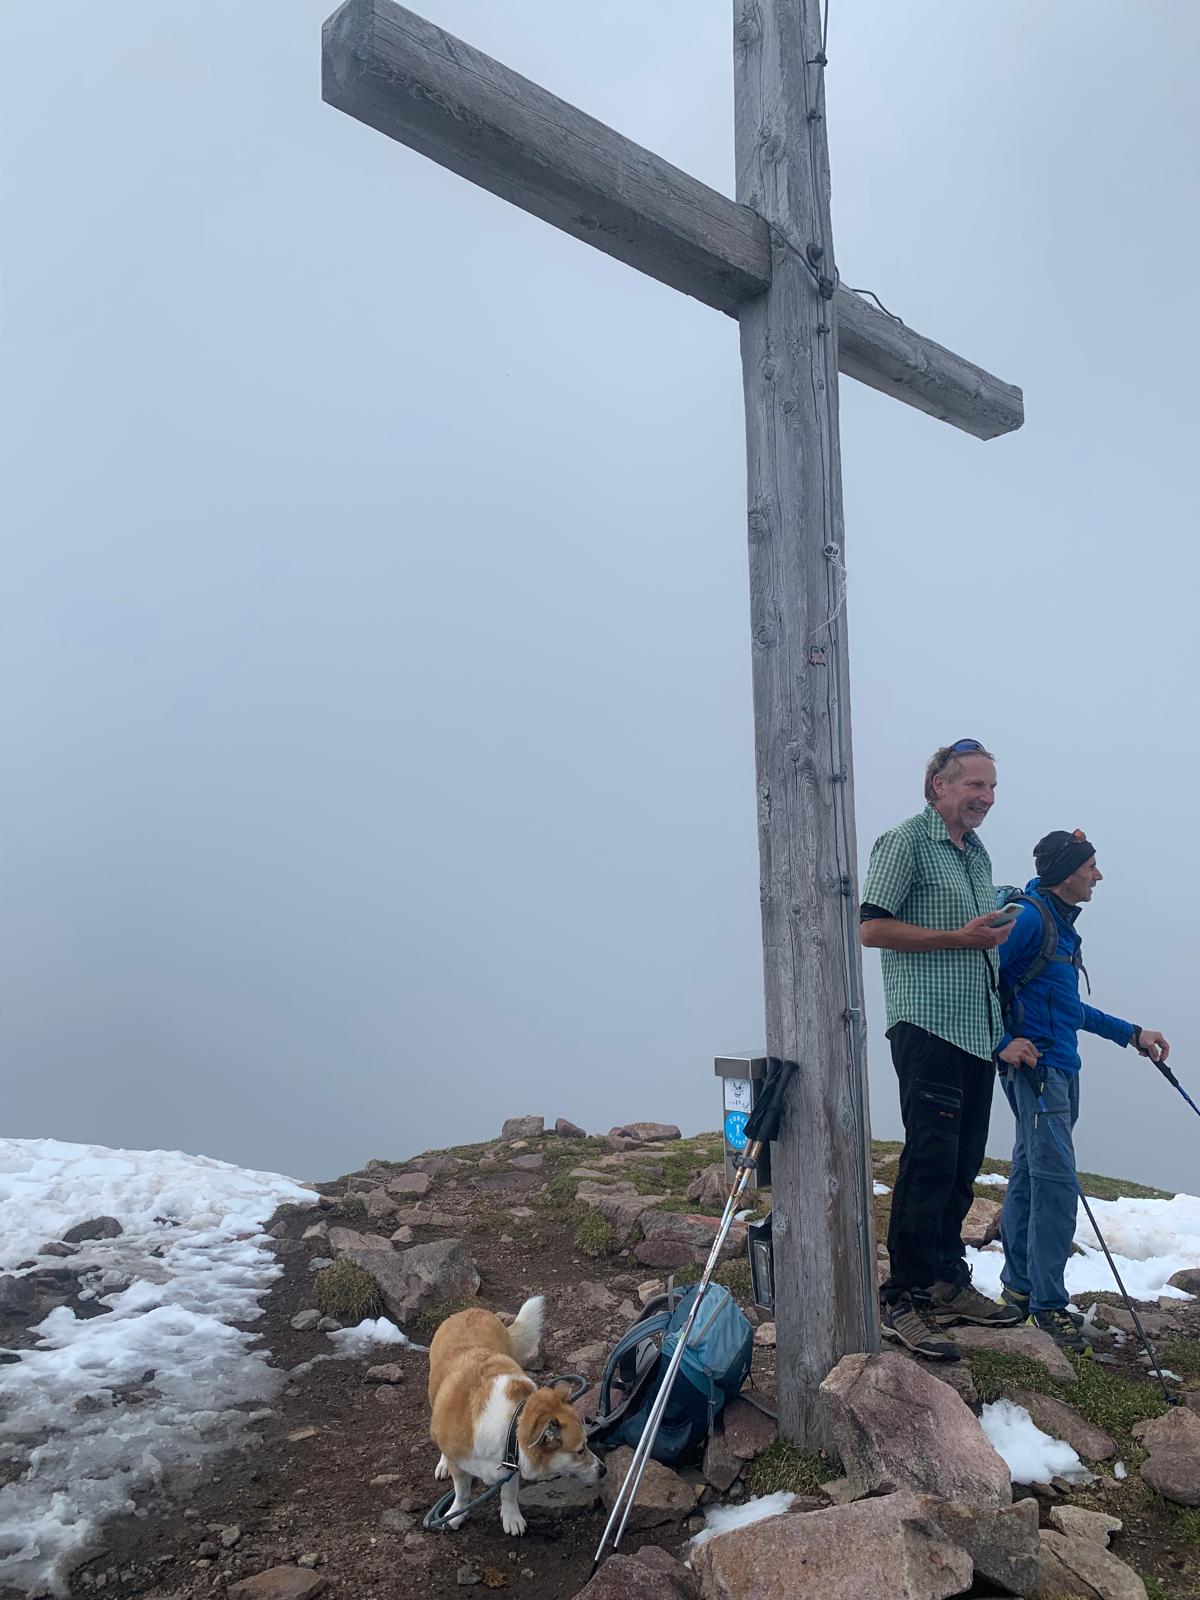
(420, 85)
(825, 1295)
(416, 83)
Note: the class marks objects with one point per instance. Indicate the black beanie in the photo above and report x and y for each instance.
(1060, 854)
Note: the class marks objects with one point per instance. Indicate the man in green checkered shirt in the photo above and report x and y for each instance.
(929, 905)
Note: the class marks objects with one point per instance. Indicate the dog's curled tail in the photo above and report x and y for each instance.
(525, 1331)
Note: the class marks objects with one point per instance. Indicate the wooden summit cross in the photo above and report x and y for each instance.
(768, 260)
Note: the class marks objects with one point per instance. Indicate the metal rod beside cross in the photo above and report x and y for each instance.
(767, 259)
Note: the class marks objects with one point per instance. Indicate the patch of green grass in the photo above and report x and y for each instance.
(289, 1209)
(993, 1369)
(1109, 1400)
(1105, 1398)
(351, 1206)
(1098, 1187)
(1182, 1356)
(782, 1467)
(561, 1188)
(594, 1234)
(347, 1292)
(425, 1324)
(1187, 1525)
(735, 1275)
(1154, 1589)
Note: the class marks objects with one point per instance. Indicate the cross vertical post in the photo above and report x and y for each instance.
(825, 1289)
(767, 259)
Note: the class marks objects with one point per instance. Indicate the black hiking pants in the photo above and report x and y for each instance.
(946, 1104)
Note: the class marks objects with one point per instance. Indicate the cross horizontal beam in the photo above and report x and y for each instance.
(409, 79)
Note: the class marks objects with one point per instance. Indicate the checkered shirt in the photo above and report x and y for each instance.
(920, 876)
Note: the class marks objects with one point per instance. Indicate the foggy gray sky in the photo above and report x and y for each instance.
(374, 623)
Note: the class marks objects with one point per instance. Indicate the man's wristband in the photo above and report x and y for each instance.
(1134, 1037)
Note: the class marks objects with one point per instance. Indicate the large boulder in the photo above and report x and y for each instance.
(662, 1495)
(569, 1130)
(709, 1187)
(1062, 1421)
(1173, 1465)
(696, 1233)
(423, 1275)
(748, 1431)
(982, 1223)
(898, 1427)
(1024, 1340)
(884, 1549)
(1187, 1279)
(1002, 1542)
(522, 1127)
(632, 1578)
(1082, 1570)
(645, 1132)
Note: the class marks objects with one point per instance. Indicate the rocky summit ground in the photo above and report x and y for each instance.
(331, 1496)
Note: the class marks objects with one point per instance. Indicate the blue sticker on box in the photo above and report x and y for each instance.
(735, 1129)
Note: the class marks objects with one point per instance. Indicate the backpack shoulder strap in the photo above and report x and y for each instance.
(646, 1329)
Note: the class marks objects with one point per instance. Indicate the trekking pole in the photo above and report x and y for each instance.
(1174, 1081)
(761, 1127)
(1171, 1399)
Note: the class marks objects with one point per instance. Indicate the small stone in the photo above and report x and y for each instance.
(311, 1559)
(588, 1355)
(748, 1432)
(530, 1163)
(764, 1336)
(208, 1549)
(645, 1132)
(559, 1498)
(318, 1230)
(97, 1228)
(467, 1576)
(319, 1263)
(383, 1479)
(305, 1321)
(386, 1372)
(403, 1235)
(650, 1288)
(663, 1496)
(411, 1183)
(395, 1520)
(230, 1536)
(279, 1583)
(1083, 1524)
(329, 1325)
(413, 1541)
(298, 1435)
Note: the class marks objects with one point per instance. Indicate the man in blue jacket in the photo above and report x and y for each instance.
(1039, 1054)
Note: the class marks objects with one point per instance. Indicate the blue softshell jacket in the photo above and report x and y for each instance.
(1050, 1010)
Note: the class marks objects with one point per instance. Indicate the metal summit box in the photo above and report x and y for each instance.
(742, 1075)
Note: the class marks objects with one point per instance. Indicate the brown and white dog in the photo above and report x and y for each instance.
(476, 1384)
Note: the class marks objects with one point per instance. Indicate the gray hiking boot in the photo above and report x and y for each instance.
(1060, 1325)
(911, 1322)
(953, 1302)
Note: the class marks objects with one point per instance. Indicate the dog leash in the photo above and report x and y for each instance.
(436, 1519)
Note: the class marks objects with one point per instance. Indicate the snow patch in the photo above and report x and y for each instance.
(724, 1519)
(881, 1188)
(191, 1262)
(1030, 1455)
(361, 1340)
(1150, 1241)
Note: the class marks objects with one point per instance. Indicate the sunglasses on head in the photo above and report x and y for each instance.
(962, 747)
